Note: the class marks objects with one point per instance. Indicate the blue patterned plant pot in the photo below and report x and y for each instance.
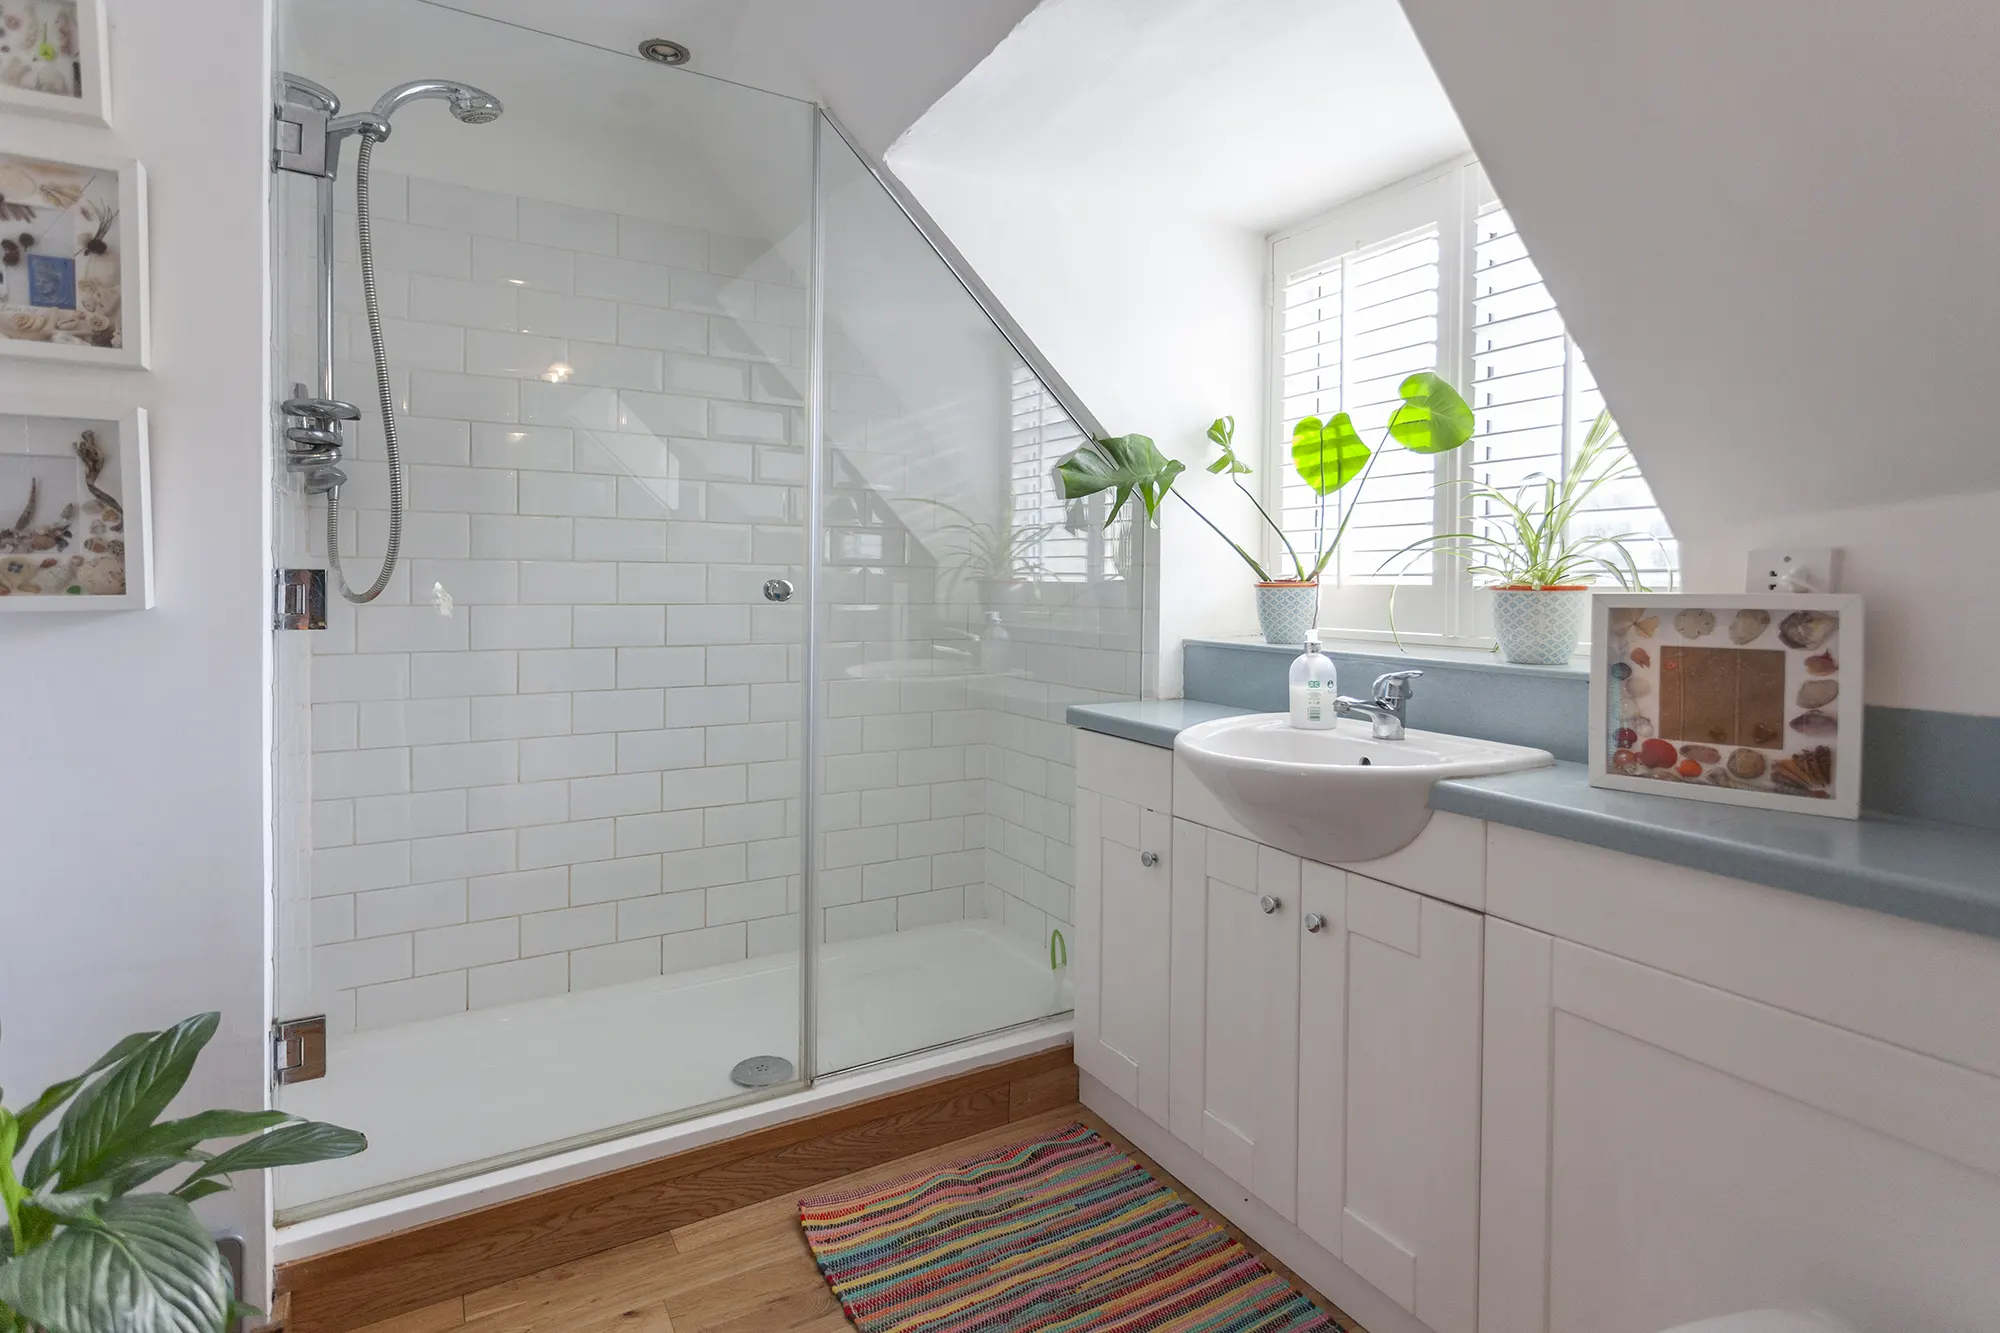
(1285, 611)
(1539, 626)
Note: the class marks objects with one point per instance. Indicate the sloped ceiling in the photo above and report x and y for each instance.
(1773, 228)
(877, 63)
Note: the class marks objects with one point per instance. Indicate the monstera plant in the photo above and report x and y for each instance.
(84, 1251)
(1329, 456)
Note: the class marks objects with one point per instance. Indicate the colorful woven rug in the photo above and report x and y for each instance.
(1055, 1235)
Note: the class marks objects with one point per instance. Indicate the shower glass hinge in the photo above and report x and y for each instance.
(298, 1049)
(301, 599)
(298, 139)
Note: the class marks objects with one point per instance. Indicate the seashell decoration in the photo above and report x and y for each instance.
(1694, 623)
(1808, 771)
(1815, 723)
(1657, 753)
(1701, 754)
(1821, 664)
(1807, 629)
(1747, 625)
(1642, 657)
(1746, 764)
(1818, 693)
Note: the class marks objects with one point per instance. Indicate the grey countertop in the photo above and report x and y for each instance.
(1946, 874)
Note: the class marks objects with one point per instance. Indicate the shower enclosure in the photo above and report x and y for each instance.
(705, 738)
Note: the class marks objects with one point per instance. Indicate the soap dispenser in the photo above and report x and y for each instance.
(1313, 687)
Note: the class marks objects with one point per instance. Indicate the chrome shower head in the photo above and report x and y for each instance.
(472, 106)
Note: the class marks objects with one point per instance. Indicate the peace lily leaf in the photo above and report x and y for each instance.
(52, 1099)
(294, 1144)
(172, 1139)
(121, 1103)
(1433, 418)
(1126, 463)
(84, 1205)
(146, 1266)
(1328, 454)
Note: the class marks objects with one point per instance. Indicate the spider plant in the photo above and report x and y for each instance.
(1327, 455)
(997, 552)
(83, 1251)
(1528, 538)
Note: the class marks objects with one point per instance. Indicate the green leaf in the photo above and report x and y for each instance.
(1433, 418)
(171, 1139)
(82, 1205)
(1126, 463)
(146, 1267)
(201, 1189)
(295, 1144)
(1222, 430)
(52, 1098)
(1328, 454)
(121, 1103)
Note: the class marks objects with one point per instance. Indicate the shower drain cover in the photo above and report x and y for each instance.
(761, 1071)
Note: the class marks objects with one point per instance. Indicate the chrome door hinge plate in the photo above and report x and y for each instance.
(301, 599)
(298, 139)
(298, 1049)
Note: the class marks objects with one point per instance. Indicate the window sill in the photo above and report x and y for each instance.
(1415, 655)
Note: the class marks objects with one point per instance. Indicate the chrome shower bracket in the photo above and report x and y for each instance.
(299, 138)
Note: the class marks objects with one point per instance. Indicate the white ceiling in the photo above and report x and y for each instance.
(1771, 226)
(1249, 113)
(877, 63)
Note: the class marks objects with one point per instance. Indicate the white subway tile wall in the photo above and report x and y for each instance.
(562, 751)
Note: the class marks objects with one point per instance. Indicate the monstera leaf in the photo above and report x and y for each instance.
(1125, 463)
(1433, 418)
(1222, 431)
(1328, 454)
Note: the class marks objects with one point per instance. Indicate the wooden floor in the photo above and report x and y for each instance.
(741, 1272)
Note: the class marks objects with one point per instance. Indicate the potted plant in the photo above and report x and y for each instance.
(84, 1251)
(999, 557)
(1539, 571)
(1328, 456)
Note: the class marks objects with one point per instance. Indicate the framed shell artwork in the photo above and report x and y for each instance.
(72, 258)
(75, 509)
(1745, 700)
(54, 59)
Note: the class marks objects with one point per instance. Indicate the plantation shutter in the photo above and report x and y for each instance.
(1353, 329)
(1042, 435)
(1534, 399)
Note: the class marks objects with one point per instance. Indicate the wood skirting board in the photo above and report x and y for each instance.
(349, 1288)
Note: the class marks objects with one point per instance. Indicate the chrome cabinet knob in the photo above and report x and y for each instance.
(1149, 859)
(1315, 923)
(1269, 904)
(778, 590)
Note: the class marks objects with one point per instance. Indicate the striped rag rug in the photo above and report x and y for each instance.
(1056, 1235)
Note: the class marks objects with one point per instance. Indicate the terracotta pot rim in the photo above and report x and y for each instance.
(1290, 583)
(1539, 587)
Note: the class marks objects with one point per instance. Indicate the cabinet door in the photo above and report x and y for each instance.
(1389, 1028)
(1234, 1063)
(1658, 1151)
(1123, 912)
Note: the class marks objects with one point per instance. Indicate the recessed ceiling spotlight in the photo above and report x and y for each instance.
(663, 52)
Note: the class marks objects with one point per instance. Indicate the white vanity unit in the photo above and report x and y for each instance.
(1499, 1082)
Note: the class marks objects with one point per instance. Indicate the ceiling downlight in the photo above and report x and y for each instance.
(662, 51)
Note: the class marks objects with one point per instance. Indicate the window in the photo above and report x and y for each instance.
(1430, 275)
(1042, 434)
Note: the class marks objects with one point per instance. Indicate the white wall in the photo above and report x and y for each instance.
(135, 825)
(1787, 290)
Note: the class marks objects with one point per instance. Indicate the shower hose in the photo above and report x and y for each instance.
(366, 233)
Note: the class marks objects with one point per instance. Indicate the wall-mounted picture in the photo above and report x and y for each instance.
(54, 59)
(75, 512)
(72, 259)
(1743, 700)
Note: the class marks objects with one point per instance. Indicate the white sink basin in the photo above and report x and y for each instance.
(1337, 796)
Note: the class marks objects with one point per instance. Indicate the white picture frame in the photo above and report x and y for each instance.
(1808, 658)
(37, 436)
(89, 68)
(47, 176)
